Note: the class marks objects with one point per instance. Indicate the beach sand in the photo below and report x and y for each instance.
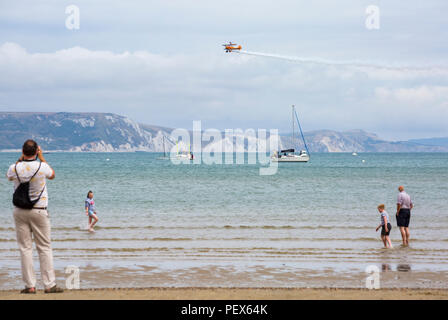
(233, 294)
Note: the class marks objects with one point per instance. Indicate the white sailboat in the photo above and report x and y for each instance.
(289, 155)
(165, 157)
(184, 154)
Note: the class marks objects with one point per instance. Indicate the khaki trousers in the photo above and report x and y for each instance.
(37, 223)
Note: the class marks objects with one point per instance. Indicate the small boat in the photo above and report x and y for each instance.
(289, 155)
(184, 155)
(165, 157)
(354, 154)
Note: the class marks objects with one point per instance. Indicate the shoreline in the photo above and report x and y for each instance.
(219, 293)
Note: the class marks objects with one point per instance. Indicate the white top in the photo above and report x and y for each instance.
(384, 214)
(404, 199)
(26, 169)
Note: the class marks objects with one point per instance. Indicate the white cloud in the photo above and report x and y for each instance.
(225, 91)
(414, 96)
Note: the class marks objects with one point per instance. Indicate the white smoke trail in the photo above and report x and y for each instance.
(344, 63)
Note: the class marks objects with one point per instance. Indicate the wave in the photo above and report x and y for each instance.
(199, 227)
(255, 227)
(7, 229)
(211, 227)
(115, 239)
(133, 239)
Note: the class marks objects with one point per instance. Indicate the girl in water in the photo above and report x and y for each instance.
(91, 211)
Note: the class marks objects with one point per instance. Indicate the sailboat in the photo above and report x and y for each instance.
(164, 152)
(289, 155)
(184, 154)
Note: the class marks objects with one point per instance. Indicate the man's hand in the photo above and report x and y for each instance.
(20, 159)
(40, 155)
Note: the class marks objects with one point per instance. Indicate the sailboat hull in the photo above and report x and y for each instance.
(291, 158)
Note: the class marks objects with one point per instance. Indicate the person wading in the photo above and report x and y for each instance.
(30, 174)
(404, 206)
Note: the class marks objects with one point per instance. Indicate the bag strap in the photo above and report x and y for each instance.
(15, 168)
(40, 195)
(40, 164)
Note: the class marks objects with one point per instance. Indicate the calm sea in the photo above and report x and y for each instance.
(317, 217)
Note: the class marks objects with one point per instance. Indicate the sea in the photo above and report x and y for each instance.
(224, 225)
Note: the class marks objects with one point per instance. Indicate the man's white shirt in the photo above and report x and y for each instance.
(25, 170)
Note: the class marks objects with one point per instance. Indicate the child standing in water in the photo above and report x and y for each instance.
(385, 226)
(91, 211)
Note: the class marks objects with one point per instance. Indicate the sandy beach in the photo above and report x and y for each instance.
(233, 294)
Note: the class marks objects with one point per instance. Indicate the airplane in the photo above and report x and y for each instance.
(231, 46)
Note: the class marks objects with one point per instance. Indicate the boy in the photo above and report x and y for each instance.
(385, 226)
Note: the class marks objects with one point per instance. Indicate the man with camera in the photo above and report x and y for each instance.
(30, 174)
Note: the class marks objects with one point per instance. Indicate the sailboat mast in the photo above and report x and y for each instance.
(292, 118)
(164, 153)
(301, 133)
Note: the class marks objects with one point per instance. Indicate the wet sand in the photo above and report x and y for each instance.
(230, 277)
(233, 294)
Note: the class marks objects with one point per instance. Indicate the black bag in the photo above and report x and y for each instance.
(21, 196)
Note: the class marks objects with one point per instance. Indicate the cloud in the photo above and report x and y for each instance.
(222, 90)
(414, 96)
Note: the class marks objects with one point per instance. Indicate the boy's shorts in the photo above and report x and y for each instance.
(383, 229)
(91, 213)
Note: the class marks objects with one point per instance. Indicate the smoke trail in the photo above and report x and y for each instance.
(343, 63)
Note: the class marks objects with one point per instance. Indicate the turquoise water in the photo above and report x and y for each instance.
(314, 216)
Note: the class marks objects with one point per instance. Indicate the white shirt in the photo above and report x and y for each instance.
(404, 200)
(26, 169)
(384, 214)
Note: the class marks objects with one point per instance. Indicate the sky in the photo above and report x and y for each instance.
(162, 63)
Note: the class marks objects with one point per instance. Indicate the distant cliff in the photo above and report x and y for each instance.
(361, 141)
(79, 132)
(107, 132)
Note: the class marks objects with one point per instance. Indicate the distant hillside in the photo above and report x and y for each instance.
(107, 132)
(79, 132)
(360, 141)
(432, 141)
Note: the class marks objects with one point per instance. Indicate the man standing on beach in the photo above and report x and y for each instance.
(34, 222)
(404, 206)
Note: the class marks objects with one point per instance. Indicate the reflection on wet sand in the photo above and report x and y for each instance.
(385, 267)
(404, 267)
